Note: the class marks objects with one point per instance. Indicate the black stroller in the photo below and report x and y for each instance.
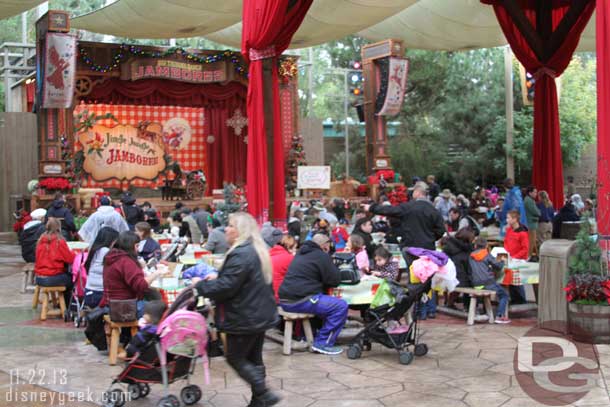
(154, 365)
(375, 329)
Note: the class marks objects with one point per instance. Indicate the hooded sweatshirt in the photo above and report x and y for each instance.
(482, 264)
(280, 260)
(311, 271)
(58, 210)
(28, 238)
(52, 254)
(123, 277)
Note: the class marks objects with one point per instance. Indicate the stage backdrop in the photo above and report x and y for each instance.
(134, 149)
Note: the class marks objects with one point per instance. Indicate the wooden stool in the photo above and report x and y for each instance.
(289, 318)
(53, 294)
(115, 333)
(28, 278)
(472, 310)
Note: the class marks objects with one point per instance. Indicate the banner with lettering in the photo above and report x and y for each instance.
(134, 146)
(59, 71)
(393, 85)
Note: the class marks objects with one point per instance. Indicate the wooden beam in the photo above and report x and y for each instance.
(525, 28)
(564, 28)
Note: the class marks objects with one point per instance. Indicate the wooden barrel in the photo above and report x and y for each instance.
(589, 323)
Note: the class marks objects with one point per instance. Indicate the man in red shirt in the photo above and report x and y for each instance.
(516, 243)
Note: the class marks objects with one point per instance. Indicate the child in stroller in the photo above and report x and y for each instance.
(165, 357)
(380, 319)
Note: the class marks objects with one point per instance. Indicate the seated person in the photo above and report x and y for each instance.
(124, 278)
(153, 312)
(482, 268)
(355, 245)
(302, 291)
(94, 289)
(30, 234)
(148, 248)
(217, 242)
(52, 259)
(516, 243)
(385, 266)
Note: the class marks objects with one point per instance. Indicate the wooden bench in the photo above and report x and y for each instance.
(113, 335)
(289, 318)
(54, 295)
(471, 315)
(28, 278)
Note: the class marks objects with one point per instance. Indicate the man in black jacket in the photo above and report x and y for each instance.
(422, 225)
(28, 237)
(59, 210)
(302, 291)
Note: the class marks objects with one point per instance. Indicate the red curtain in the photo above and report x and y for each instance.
(547, 163)
(602, 38)
(268, 27)
(226, 156)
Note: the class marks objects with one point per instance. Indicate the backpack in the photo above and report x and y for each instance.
(346, 263)
(473, 224)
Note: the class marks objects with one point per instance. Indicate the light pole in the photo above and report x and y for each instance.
(346, 125)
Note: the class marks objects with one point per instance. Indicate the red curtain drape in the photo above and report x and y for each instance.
(268, 27)
(602, 38)
(547, 163)
(226, 157)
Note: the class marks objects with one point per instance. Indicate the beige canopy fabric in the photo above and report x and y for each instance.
(421, 24)
(161, 18)
(9, 8)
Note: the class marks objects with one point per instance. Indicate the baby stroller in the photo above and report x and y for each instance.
(76, 309)
(169, 357)
(375, 329)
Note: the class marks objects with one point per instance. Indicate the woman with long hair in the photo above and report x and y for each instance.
(245, 303)
(94, 289)
(123, 278)
(52, 258)
(547, 214)
(364, 228)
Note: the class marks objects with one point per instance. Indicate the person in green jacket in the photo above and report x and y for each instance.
(532, 213)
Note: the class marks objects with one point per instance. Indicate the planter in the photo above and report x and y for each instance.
(589, 323)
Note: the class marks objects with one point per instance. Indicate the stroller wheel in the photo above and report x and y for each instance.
(114, 398)
(354, 352)
(144, 389)
(368, 346)
(135, 391)
(169, 401)
(190, 394)
(76, 322)
(405, 358)
(421, 349)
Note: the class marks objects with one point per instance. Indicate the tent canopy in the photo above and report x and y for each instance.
(9, 8)
(421, 24)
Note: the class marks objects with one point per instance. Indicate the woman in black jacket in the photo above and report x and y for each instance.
(245, 303)
(364, 228)
(458, 248)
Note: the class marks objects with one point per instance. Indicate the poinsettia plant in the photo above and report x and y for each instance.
(55, 183)
(588, 282)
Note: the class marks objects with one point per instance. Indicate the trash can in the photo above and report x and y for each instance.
(554, 260)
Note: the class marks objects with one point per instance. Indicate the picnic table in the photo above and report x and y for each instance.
(358, 294)
(79, 246)
(520, 274)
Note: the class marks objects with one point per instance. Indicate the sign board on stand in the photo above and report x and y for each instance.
(313, 177)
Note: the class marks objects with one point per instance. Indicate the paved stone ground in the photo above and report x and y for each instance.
(466, 366)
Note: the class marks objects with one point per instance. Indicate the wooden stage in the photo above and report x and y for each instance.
(165, 207)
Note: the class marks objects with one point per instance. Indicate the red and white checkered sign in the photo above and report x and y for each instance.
(191, 157)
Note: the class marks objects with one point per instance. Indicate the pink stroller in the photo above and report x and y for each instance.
(171, 356)
(76, 307)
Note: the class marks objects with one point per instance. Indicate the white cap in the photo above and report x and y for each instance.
(38, 213)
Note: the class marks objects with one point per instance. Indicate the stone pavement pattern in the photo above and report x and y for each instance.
(466, 366)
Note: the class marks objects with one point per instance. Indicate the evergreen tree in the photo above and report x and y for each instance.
(296, 158)
(588, 254)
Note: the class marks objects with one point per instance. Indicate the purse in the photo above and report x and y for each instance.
(123, 310)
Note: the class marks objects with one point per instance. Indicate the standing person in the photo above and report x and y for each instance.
(516, 243)
(245, 304)
(105, 215)
(195, 232)
(59, 211)
(29, 236)
(532, 214)
(131, 212)
(52, 259)
(94, 289)
(547, 214)
(303, 291)
(512, 201)
(201, 216)
(445, 204)
(433, 188)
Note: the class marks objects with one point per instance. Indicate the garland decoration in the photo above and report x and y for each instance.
(125, 50)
